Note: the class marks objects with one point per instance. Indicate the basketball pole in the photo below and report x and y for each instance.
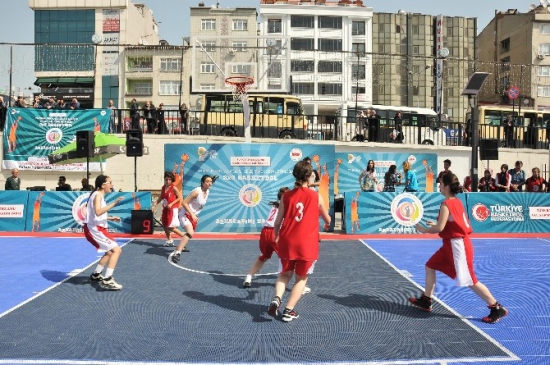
(246, 115)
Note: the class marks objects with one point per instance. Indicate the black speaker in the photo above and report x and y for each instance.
(488, 149)
(142, 222)
(85, 144)
(134, 143)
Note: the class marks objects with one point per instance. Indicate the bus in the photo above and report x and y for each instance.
(530, 126)
(420, 125)
(271, 116)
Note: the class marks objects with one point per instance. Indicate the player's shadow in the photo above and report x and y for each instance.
(382, 305)
(54, 276)
(238, 281)
(154, 247)
(240, 305)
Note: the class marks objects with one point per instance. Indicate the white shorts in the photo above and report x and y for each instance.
(100, 238)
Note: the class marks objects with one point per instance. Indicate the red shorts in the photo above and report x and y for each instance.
(193, 223)
(299, 267)
(267, 243)
(456, 260)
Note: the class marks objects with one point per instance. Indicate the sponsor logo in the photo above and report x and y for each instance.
(80, 208)
(480, 212)
(295, 154)
(407, 209)
(54, 135)
(250, 195)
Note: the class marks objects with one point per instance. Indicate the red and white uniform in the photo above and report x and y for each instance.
(169, 215)
(456, 257)
(196, 206)
(534, 185)
(95, 227)
(299, 235)
(267, 236)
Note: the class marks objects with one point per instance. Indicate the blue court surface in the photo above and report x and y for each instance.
(196, 312)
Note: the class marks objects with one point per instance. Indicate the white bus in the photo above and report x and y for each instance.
(420, 125)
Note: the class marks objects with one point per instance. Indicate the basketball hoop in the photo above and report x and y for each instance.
(240, 85)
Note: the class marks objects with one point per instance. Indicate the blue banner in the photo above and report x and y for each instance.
(249, 177)
(12, 210)
(31, 134)
(349, 165)
(58, 211)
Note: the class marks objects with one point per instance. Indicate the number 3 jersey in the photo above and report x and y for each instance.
(299, 234)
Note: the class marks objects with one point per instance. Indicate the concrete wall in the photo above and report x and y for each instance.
(150, 168)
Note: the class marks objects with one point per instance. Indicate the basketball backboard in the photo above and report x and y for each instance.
(264, 58)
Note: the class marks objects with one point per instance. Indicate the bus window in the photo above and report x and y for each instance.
(216, 106)
(493, 117)
(293, 108)
(234, 106)
(274, 105)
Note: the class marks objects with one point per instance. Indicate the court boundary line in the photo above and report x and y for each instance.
(513, 357)
(71, 275)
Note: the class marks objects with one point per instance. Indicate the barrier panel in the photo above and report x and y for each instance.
(12, 210)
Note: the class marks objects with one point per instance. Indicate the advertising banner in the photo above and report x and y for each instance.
(50, 211)
(250, 176)
(13, 206)
(31, 134)
(349, 166)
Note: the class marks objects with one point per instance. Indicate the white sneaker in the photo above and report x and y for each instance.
(169, 243)
(307, 290)
(110, 284)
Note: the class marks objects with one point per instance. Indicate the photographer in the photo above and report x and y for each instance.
(392, 178)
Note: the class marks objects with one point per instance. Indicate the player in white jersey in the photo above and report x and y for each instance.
(188, 215)
(95, 230)
(267, 239)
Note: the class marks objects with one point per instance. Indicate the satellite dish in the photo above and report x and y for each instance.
(97, 38)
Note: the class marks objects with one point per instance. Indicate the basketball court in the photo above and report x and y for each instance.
(197, 311)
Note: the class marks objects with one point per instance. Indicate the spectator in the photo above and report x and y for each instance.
(509, 131)
(517, 178)
(184, 114)
(112, 107)
(162, 128)
(314, 179)
(397, 134)
(85, 185)
(502, 180)
(368, 178)
(411, 182)
(37, 104)
(391, 178)
(486, 183)
(467, 134)
(149, 116)
(467, 185)
(14, 181)
(134, 114)
(62, 184)
(3, 113)
(536, 183)
(50, 104)
(446, 165)
(374, 124)
(60, 105)
(360, 126)
(74, 105)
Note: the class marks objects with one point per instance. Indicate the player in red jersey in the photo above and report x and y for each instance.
(171, 198)
(267, 239)
(456, 257)
(297, 239)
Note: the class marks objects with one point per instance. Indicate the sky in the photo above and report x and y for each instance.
(173, 15)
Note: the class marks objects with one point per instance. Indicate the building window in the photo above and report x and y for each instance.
(142, 88)
(275, 70)
(505, 45)
(545, 28)
(543, 91)
(300, 21)
(358, 47)
(355, 90)
(301, 66)
(240, 69)
(208, 46)
(240, 24)
(415, 29)
(330, 22)
(330, 45)
(301, 44)
(140, 64)
(274, 26)
(170, 64)
(303, 88)
(544, 70)
(416, 50)
(544, 49)
(357, 28)
(207, 86)
(239, 46)
(329, 89)
(208, 24)
(357, 72)
(329, 66)
(207, 68)
(449, 31)
(169, 87)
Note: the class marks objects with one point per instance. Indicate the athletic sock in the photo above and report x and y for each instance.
(98, 269)
(248, 278)
(109, 272)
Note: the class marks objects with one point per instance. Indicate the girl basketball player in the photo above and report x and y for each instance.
(298, 239)
(95, 231)
(456, 257)
(192, 205)
(170, 196)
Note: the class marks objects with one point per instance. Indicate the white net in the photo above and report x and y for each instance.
(239, 86)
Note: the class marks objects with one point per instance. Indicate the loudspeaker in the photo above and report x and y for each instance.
(488, 149)
(134, 143)
(85, 144)
(142, 222)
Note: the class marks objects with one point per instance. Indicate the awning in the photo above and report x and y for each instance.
(63, 80)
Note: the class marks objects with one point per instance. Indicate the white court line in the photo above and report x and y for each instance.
(70, 275)
(513, 356)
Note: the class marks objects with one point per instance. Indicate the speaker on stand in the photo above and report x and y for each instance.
(134, 148)
(85, 146)
(488, 149)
